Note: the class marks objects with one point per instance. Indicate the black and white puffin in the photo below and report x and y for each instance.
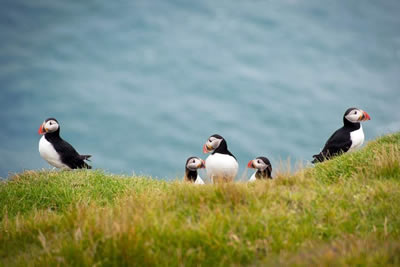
(347, 138)
(56, 151)
(263, 166)
(221, 164)
(191, 167)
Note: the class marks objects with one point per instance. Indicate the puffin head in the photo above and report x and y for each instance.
(50, 125)
(262, 164)
(213, 142)
(355, 115)
(194, 163)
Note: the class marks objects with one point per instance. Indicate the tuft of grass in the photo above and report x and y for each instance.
(57, 190)
(379, 159)
(341, 212)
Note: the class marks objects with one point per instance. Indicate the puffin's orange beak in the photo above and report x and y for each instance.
(42, 130)
(365, 116)
(203, 164)
(206, 149)
(250, 164)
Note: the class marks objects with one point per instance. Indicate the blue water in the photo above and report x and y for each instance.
(141, 85)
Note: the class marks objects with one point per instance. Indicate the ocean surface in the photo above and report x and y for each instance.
(141, 85)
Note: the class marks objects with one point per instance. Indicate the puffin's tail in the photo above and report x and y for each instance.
(86, 157)
(318, 158)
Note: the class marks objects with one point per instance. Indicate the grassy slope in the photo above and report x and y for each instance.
(345, 211)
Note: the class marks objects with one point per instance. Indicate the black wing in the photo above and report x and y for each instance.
(70, 157)
(338, 143)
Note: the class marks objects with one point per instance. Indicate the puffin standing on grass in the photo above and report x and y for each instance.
(191, 175)
(221, 164)
(347, 138)
(56, 151)
(263, 166)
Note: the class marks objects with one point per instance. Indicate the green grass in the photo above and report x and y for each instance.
(342, 212)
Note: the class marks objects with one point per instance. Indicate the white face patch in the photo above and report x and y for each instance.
(354, 116)
(51, 126)
(194, 164)
(259, 164)
(213, 143)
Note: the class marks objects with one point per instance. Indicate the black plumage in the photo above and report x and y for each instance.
(266, 173)
(190, 176)
(191, 173)
(340, 141)
(68, 155)
(223, 146)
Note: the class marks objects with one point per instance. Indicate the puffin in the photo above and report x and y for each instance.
(347, 138)
(56, 151)
(221, 164)
(191, 175)
(263, 166)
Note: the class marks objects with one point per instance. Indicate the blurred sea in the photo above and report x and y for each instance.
(142, 84)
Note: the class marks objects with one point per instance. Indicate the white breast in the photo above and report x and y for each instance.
(221, 166)
(357, 138)
(199, 180)
(253, 177)
(48, 153)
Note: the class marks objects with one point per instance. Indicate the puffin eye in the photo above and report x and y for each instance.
(258, 161)
(194, 161)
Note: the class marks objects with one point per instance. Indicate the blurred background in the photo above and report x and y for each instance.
(142, 84)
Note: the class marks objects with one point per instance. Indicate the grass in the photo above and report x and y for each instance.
(342, 212)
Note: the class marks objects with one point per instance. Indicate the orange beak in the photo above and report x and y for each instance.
(41, 130)
(365, 116)
(203, 164)
(250, 164)
(205, 149)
